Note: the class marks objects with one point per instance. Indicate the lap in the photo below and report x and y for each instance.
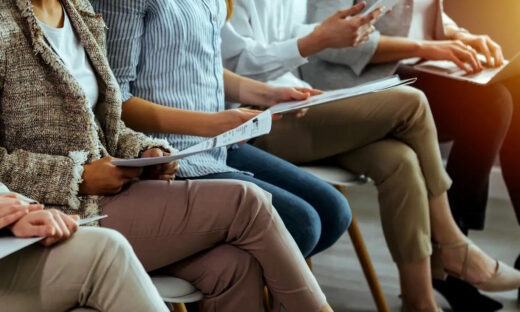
(168, 221)
(340, 127)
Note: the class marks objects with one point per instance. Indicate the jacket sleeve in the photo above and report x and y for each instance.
(125, 20)
(357, 58)
(49, 179)
(245, 55)
(131, 143)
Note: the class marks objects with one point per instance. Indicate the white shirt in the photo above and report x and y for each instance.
(423, 20)
(68, 47)
(261, 40)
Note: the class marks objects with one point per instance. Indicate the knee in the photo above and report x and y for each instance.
(304, 224)
(335, 215)
(108, 242)
(255, 198)
(498, 111)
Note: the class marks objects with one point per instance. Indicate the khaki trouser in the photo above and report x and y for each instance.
(221, 235)
(96, 268)
(388, 136)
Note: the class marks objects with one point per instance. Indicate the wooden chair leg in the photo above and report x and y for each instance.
(179, 307)
(309, 263)
(366, 262)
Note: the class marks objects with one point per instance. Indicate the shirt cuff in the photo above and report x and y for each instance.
(125, 92)
(289, 52)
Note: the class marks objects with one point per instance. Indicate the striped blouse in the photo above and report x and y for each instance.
(168, 52)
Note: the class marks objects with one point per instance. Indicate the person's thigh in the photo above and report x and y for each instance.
(331, 206)
(168, 221)
(343, 126)
(299, 217)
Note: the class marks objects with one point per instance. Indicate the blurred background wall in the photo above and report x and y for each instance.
(498, 18)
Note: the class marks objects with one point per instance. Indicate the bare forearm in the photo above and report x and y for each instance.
(392, 49)
(244, 90)
(145, 116)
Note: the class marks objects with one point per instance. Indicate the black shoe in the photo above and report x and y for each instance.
(463, 297)
(517, 266)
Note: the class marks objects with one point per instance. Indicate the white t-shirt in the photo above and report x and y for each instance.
(423, 20)
(68, 47)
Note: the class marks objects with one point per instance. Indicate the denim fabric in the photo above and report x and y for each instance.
(313, 211)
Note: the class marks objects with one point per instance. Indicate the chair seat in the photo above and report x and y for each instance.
(335, 175)
(174, 289)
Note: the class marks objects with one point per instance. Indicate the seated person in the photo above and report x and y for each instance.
(61, 128)
(483, 122)
(77, 271)
(388, 136)
(166, 58)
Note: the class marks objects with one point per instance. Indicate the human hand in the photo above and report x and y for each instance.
(340, 30)
(12, 209)
(484, 45)
(452, 50)
(101, 177)
(165, 172)
(52, 224)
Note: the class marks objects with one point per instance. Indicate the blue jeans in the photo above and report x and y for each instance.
(313, 211)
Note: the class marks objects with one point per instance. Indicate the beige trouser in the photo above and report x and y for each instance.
(96, 268)
(388, 136)
(222, 235)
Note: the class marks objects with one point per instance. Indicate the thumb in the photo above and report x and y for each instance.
(299, 95)
(352, 10)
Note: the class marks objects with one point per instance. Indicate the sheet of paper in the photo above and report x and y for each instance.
(385, 4)
(11, 244)
(253, 128)
(330, 96)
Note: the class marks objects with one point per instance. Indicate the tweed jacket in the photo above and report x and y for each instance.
(350, 66)
(47, 129)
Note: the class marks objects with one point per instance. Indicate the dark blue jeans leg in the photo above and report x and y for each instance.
(331, 206)
(299, 217)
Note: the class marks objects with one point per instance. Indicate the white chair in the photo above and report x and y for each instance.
(176, 292)
(341, 179)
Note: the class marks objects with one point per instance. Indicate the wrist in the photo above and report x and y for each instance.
(311, 44)
(422, 48)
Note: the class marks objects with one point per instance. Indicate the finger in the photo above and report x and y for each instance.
(129, 173)
(61, 224)
(312, 92)
(276, 117)
(465, 56)
(5, 211)
(483, 48)
(371, 17)
(362, 40)
(35, 207)
(70, 222)
(460, 63)
(12, 218)
(153, 152)
(474, 55)
(352, 10)
(300, 96)
(38, 231)
(9, 195)
(166, 177)
(8, 202)
(496, 51)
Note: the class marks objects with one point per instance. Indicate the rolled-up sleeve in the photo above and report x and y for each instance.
(125, 19)
(247, 56)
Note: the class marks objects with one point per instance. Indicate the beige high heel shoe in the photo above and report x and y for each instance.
(504, 278)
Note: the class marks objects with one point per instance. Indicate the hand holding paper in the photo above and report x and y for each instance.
(253, 128)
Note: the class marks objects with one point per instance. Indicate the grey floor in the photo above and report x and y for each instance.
(339, 273)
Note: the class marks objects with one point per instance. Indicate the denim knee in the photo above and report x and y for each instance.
(303, 223)
(335, 216)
